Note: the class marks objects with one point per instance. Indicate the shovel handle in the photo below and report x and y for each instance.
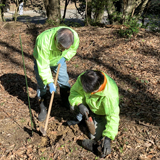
(51, 100)
(86, 116)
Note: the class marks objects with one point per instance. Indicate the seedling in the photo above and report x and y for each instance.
(42, 158)
(125, 129)
(29, 140)
(23, 120)
(76, 65)
(12, 36)
(146, 81)
(126, 142)
(121, 149)
(71, 150)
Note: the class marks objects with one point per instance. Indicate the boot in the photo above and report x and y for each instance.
(64, 92)
(90, 145)
(43, 109)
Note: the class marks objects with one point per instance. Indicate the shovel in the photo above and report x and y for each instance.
(90, 124)
(43, 130)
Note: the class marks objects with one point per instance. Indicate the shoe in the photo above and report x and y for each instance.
(43, 112)
(43, 108)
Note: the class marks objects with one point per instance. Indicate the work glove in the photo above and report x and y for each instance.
(52, 87)
(105, 147)
(61, 61)
(83, 110)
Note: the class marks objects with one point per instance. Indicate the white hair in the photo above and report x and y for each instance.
(65, 37)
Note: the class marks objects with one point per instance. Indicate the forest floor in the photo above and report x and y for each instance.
(133, 63)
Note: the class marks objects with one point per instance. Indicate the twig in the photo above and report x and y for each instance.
(147, 125)
(5, 24)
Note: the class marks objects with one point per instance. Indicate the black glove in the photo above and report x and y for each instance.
(105, 147)
(83, 110)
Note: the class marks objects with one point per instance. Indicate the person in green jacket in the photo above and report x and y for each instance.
(53, 46)
(95, 93)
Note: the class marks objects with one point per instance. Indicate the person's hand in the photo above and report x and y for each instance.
(52, 87)
(61, 61)
(106, 146)
(83, 110)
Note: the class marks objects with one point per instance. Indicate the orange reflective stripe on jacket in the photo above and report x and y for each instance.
(101, 88)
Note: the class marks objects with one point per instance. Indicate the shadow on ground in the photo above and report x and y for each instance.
(15, 85)
(42, 20)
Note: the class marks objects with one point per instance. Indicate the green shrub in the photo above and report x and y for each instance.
(2, 5)
(131, 29)
(154, 23)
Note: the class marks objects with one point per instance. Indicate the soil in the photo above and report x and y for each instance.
(133, 63)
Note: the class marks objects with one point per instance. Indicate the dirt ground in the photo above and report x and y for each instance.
(135, 66)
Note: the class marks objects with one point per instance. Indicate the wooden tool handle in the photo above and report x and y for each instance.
(51, 100)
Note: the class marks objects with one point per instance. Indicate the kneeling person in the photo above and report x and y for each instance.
(95, 93)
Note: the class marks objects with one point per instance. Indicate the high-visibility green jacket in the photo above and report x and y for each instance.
(105, 102)
(46, 53)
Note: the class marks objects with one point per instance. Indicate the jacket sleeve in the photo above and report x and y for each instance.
(42, 58)
(111, 128)
(69, 53)
(76, 94)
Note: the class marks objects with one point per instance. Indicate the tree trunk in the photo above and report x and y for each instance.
(127, 10)
(16, 10)
(99, 16)
(88, 10)
(99, 11)
(1, 15)
(142, 7)
(53, 11)
(65, 8)
(111, 11)
(2, 5)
